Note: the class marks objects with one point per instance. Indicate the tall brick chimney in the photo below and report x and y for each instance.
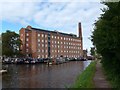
(79, 30)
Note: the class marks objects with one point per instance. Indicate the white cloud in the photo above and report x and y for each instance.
(62, 16)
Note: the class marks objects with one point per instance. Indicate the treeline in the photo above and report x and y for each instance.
(106, 39)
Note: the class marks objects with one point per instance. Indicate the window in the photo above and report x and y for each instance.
(55, 46)
(21, 34)
(27, 34)
(38, 56)
(38, 40)
(42, 40)
(52, 46)
(21, 39)
(58, 37)
(55, 37)
(38, 50)
(42, 50)
(42, 45)
(26, 50)
(52, 36)
(52, 50)
(27, 39)
(42, 35)
(45, 35)
(27, 44)
(61, 37)
(38, 35)
(42, 56)
(39, 45)
(46, 56)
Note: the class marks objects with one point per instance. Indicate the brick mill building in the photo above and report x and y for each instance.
(39, 43)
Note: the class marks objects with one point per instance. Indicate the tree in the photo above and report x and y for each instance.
(106, 39)
(92, 51)
(10, 44)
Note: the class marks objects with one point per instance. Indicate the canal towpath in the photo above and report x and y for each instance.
(100, 78)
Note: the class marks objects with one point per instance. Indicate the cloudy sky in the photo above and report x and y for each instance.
(63, 16)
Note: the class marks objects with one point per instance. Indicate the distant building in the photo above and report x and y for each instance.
(85, 54)
(39, 43)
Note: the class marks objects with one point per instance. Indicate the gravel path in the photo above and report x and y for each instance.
(99, 78)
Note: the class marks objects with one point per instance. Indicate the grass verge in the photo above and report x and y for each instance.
(85, 79)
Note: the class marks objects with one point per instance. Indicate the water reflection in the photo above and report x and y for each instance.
(42, 76)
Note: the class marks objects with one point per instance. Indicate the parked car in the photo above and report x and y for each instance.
(19, 61)
(7, 61)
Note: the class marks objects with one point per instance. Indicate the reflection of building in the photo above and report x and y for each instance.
(39, 43)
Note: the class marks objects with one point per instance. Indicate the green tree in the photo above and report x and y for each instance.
(92, 51)
(106, 39)
(10, 44)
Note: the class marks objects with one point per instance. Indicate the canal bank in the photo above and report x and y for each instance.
(92, 77)
(42, 75)
(85, 79)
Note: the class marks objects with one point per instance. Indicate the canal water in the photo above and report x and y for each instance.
(42, 75)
